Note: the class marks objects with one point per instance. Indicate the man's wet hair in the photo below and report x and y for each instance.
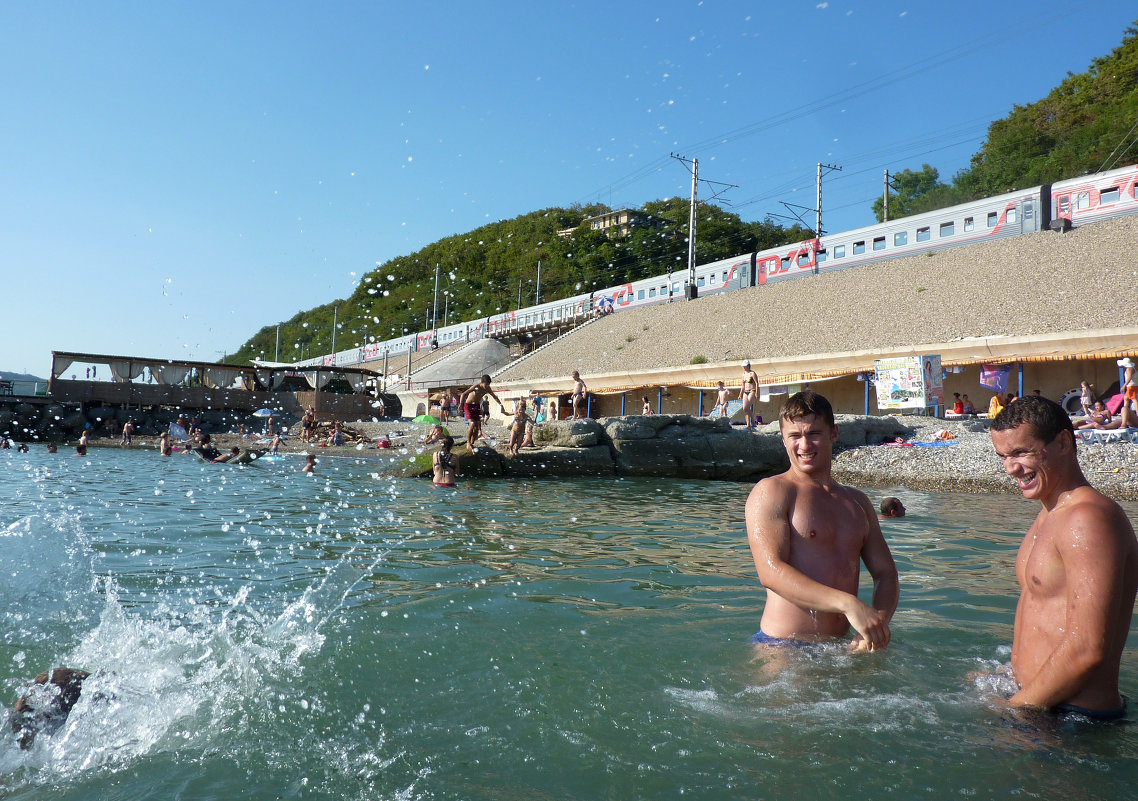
(486, 379)
(448, 442)
(804, 403)
(1046, 417)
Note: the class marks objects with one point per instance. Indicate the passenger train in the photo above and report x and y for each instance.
(1058, 206)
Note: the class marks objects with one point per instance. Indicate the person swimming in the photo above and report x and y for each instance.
(45, 705)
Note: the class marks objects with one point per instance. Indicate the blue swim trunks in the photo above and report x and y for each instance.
(762, 638)
(1095, 714)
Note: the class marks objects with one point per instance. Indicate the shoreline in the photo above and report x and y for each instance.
(969, 465)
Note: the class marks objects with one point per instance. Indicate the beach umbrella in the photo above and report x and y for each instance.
(430, 419)
(264, 413)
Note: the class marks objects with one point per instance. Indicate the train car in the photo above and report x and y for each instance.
(783, 262)
(1096, 197)
(1020, 212)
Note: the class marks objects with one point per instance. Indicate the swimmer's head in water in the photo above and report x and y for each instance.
(44, 708)
(805, 403)
(892, 507)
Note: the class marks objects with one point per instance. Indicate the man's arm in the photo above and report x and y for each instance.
(1091, 547)
(768, 533)
(490, 392)
(879, 562)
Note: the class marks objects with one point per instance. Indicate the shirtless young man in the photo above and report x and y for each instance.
(1077, 569)
(721, 401)
(472, 408)
(747, 394)
(577, 399)
(808, 536)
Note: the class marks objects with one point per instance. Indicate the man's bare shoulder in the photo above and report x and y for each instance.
(772, 491)
(1090, 519)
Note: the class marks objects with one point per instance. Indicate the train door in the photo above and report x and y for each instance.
(1030, 222)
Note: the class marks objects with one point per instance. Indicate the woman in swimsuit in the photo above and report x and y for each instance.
(445, 464)
(747, 395)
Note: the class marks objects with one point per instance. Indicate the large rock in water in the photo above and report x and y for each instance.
(691, 447)
(665, 446)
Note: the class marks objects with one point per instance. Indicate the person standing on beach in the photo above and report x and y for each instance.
(577, 399)
(721, 401)
(808, 535)
(747, 391)
(127, 431)
(472, 408)
(1077, 570)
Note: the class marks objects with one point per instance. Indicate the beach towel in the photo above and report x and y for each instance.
(732, 408)
(1115, 404)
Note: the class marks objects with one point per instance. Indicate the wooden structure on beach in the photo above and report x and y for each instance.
(337, 393)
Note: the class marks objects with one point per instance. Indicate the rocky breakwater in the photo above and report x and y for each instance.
(666, 446)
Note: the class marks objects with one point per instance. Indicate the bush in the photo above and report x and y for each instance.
(698, 360)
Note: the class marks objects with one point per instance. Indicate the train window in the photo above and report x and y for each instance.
(651, 292)
(879, 243)
(725, 276)
(676, 288)
(901, 238)
(859, 247)
(1083, 200)
(1012, 216)
(993, 218)
(946, 229)
(819, 257)
(1064, 205)
(839, 251)
(923, 234)
(1108, 195)
(700, 281)
(969, 223)
(640, 295)
(804, 258)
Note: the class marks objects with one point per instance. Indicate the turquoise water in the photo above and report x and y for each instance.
(260, 634)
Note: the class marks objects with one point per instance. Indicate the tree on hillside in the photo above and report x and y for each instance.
(909, 187)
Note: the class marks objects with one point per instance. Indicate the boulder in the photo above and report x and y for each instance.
(855, 430)
(586, 461)
(569, 433)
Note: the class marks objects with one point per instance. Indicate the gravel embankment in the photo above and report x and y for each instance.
(1043, 283)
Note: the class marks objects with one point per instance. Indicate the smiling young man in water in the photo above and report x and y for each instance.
(809, 535)
(1077, 569)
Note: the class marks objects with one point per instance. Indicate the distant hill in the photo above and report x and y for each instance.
(19, 377)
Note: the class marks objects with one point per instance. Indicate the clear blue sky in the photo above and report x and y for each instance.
(175, 176)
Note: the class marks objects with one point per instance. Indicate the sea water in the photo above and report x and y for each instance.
(257, 633)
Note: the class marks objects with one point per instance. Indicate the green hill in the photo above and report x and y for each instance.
(1085, 124)
(483, 271)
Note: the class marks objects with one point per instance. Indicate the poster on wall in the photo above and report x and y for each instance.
(908, 382)
(995, 377)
